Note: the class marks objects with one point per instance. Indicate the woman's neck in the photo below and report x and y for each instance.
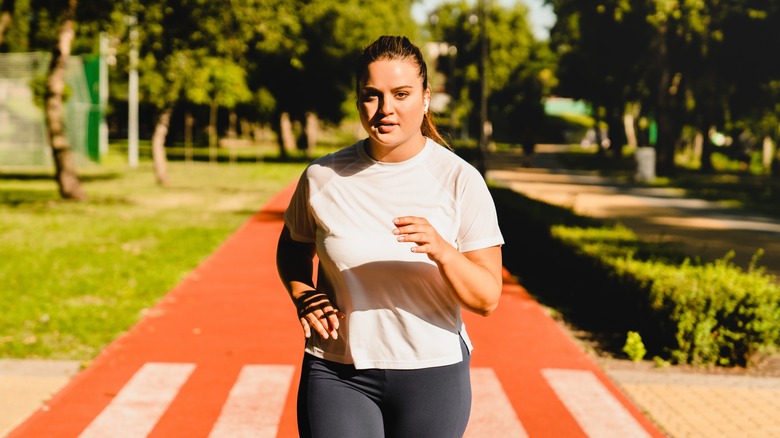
(395, 154)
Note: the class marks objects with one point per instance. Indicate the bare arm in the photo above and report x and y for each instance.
(474, 277)
(294, 261)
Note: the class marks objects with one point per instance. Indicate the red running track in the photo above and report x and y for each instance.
(232, 313)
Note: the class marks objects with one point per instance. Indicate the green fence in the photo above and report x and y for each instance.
(23, 137)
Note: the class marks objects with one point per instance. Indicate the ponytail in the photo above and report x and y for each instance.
(429, 130)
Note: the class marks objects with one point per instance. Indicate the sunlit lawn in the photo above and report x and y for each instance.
(74, 276)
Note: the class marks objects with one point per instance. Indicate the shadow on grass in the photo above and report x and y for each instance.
(18, 198)
(241, 159)
(21, 198)
(44, 176)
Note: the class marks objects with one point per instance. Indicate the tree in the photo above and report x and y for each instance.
(52, 25)
(600, 60)
(6, 17)
(218, 82)
(514, 81)
(14, 25)
(189, 49)
(305, 57)
(64, 161)
(162, 87)
(685, 61)
(753, 78)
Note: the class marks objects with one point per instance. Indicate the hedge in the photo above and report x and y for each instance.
(701, 313)
(604, 278)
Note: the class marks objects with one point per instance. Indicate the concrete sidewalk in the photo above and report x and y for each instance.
(26, 384)
(684, 402)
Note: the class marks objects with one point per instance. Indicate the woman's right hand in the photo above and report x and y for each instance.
(315, 311)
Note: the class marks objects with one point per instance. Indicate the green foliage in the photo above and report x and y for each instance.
(634, 347)
(16, 38)
(722, 314)
(266, 103)
(660, 362)
(710, 313)
(669, 56)
(218, 80)
(40, 89)
(519, 70)
(687, 312)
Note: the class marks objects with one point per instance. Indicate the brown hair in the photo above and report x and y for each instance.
(398, 48)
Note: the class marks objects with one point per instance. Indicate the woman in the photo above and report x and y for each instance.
(406, 233)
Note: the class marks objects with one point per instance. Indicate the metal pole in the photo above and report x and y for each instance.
(103, 96)
(132, 99)
(483, 109)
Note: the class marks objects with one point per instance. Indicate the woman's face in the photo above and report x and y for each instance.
(392, 104)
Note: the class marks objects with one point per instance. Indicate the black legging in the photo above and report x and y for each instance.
(338, 401)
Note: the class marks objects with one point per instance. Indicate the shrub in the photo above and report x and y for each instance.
(634, 347)
(720, 313)
(710, 313)
(613, 282)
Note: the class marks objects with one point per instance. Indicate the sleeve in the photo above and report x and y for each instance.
(479, 221)
(298, 217)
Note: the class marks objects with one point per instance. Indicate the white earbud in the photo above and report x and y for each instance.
(425, 109)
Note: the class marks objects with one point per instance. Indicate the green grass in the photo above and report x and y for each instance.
(74, 276)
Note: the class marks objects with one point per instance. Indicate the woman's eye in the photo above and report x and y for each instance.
(402, 95)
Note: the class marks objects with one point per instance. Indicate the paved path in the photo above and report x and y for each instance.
(702, 228)
(685, 403)
(219, 356)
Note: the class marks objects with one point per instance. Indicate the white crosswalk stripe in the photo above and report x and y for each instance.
(141, 402)
(255, 403)
(594, 408)
(492, 415)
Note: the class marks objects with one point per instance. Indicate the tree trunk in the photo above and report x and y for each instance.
(597, 131)
(64, 161)
(629, 122)
(707, 147)
(232, 132)
(775, 166)
(312, 129)
(697, 148)
(213, 131)
(5, 22)
(286, 136)
(7, 9)
(617, 132)
(666, 130)
(158, 146)
(767, 152)
(189, 122)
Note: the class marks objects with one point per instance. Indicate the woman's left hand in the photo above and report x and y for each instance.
(420, 231)
(474, 276)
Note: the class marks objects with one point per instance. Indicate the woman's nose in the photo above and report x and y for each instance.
(386, 106)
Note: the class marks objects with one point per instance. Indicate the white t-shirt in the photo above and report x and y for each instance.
(400, 314)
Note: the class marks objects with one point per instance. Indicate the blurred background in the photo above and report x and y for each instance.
(693, 80)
